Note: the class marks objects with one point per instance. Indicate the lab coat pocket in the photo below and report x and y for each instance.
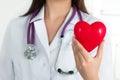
(66, 62)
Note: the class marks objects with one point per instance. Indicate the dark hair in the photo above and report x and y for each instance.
(37, 4)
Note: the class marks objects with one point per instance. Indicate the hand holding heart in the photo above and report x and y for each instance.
(87, 66)
(88, 37)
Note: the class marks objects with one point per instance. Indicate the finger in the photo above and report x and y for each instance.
(78, 62)
(78, 59)
(77, 53)
(99, 51)
(81, 49)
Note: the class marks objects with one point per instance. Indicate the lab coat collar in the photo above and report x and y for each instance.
(39, 16)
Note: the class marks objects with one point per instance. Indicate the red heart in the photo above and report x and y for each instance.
(90, 36)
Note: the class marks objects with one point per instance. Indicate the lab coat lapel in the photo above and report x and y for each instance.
(42, 34)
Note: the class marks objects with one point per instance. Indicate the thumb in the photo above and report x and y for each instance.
(100, 50)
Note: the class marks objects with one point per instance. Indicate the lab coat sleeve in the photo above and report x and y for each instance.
(106, 68)
(6, 67)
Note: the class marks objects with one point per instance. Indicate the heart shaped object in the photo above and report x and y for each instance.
(90, 36)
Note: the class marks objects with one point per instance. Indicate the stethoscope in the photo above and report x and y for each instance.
(31, 52)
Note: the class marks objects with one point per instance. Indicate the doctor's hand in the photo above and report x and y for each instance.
(87, 66)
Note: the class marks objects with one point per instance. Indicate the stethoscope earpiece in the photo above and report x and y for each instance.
(62, 72)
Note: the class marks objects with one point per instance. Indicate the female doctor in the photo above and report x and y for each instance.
(41, 46)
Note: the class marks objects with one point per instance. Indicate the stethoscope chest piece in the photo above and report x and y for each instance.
(30, 52)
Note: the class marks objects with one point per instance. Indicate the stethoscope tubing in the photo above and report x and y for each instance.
(31, 53)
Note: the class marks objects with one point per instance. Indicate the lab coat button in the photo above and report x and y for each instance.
(44, 64)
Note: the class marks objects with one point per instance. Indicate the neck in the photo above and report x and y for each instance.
(57, 8)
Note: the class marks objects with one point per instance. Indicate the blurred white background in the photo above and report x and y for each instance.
(106, 10)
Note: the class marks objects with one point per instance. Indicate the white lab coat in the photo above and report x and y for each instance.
(14, 66)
